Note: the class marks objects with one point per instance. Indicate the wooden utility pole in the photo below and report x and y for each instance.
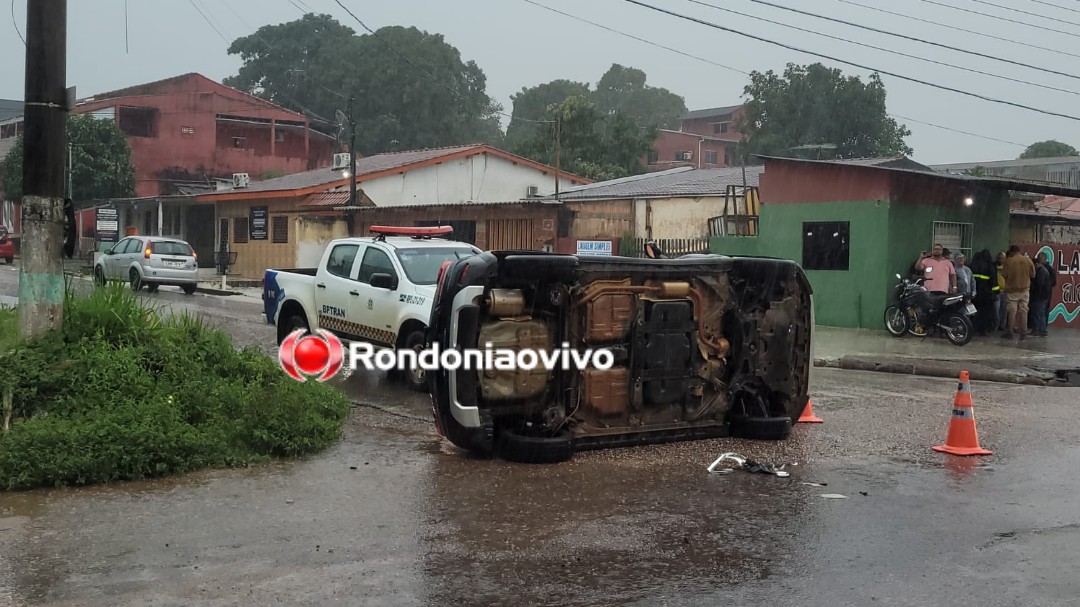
(41, 276)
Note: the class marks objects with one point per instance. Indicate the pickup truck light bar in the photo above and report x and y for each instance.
(415, 232)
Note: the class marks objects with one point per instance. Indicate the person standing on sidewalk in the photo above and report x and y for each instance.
(1019, 271)
(1002, 308)
(1040, 297)
(965, 281)
(984, 272)
(939, 272)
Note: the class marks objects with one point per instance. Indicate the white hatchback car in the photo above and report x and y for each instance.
(150, 261)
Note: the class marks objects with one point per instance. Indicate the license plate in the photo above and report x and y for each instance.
(970, 309)
(174, 264)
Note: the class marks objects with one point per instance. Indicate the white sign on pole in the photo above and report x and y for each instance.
(594, 247)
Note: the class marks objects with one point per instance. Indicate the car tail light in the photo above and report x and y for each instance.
(442, 271)
(149, 250)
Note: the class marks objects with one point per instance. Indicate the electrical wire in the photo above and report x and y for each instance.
(423, 70)
(1023, 12)
(914, 39)
(1000, 18)
(851, 63)
(959, 29)
(1064, 8)
(208, 21)
(878, 48)
(745, 73)
(15, 22)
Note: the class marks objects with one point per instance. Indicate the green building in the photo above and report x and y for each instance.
(854, 224)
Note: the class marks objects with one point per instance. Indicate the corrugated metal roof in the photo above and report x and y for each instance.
(679, 182)
(710, 112)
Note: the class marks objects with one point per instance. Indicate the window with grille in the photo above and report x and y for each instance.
(279, 228)
(710, 156)
(240, 229)
(954, 236)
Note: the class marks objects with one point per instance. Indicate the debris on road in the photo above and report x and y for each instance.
(746, 464)
(833, 496)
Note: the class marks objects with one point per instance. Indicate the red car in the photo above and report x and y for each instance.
(7, 246)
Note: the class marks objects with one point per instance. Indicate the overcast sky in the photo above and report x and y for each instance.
(518, 44)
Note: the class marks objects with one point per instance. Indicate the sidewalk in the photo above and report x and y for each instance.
(1052, 361)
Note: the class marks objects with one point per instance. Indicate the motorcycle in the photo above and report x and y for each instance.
(920, 312)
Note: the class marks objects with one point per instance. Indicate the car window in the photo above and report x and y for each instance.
(341, 260)
(422, 265)
(122, 246)
(375, 262)
(171, 248)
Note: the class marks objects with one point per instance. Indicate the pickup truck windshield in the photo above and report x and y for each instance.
(422, 265)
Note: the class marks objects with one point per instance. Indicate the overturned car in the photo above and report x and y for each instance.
(701, 346)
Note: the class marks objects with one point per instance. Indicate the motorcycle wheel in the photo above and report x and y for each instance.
(959, 329)
(896, 321)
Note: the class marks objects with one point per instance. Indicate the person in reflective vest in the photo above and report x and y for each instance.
(987, 289)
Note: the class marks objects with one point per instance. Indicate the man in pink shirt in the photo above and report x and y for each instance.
(940, 273)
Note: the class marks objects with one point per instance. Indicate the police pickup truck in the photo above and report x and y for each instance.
(374, 289)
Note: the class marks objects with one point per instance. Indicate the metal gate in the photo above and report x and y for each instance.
(507, 234)
(954, 236)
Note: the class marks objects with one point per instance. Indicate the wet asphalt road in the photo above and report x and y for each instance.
(392, 515)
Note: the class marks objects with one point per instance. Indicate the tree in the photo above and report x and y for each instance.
(412, 88)
(623, 90)
(100, 161)
(814, 105)
(1049, 149)
(531, 105)
(594, 144)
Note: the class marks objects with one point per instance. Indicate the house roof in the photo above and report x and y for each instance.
(1006, 183)
(1026, 162)
(674, 183)
(10, 108)
(894, 162)
(709, 113)
(368, 168)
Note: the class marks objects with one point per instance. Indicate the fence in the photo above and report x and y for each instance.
(672, 247)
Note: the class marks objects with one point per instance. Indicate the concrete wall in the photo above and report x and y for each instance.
(478, 178)
(256, 256)
(668, 143)
(599, 220)
(530, 226)
(313, 235)
(676, 217)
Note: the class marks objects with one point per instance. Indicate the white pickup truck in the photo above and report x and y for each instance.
(376, 289)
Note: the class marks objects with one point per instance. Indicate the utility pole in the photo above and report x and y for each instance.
(558, 140)
(41, 277)
(350, 215)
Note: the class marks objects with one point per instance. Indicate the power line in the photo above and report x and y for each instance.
(15, 23)
(208, 21)
(745, 73)
(851, 63)
(959, 29)
(1023, 12)
(1064, 8)
(649, 42)
(914, 39)
(1000, 18)
(878, 48)
(421, 69)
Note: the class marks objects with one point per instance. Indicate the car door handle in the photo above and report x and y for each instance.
(354, 293)
(321, 285)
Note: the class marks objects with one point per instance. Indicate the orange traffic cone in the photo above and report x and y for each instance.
(962, 438)
(808, 416)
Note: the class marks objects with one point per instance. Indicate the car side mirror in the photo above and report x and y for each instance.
(382, 280)
(107, 252)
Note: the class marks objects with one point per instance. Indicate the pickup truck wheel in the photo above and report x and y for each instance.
(292, 323)
(416, 378)
(518, 444)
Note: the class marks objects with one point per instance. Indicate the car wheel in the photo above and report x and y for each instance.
(151, 287)
(416, 377)
(519, 444)
(9, 260)
(760, 428)
(135, 279)
(293, 323)
(99, 277)
(896, 321)
(189, 289)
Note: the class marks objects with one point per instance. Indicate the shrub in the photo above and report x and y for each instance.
(124, 392)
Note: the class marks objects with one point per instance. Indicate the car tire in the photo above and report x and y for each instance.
(760, 428)
(99, 277)
(292, 323)
(135, 279)
(515, 445)
(9, 260)
(416, 378)
(151, 287)
(189, 289)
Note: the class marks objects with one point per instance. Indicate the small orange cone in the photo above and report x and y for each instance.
(962, 438)
(808, 416)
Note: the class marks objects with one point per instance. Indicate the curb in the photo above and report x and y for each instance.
(943, 370)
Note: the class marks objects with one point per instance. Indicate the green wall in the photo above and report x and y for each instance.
(855, 298)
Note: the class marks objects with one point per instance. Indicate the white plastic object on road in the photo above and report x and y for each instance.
(738, 459)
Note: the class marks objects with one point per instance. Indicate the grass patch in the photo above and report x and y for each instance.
(123, 392)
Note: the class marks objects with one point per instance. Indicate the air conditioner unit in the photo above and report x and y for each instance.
(341, 161)
(687, 156)
(532, 191)
(241, 180)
